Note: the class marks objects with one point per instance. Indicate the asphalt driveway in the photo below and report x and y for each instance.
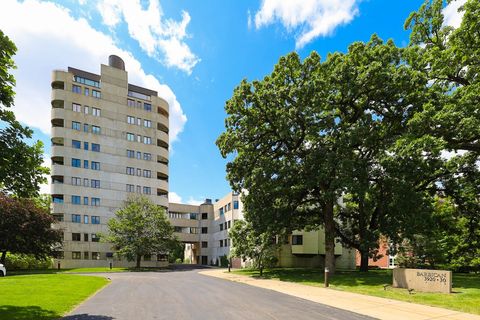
(185, 294)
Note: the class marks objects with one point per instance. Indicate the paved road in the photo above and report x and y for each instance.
(185, 294)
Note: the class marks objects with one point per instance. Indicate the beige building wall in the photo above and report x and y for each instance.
(103, 109)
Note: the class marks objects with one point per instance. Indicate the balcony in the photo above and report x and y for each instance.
(57, 179)
(57, 123)
(163, 107)
(58, 98)
(162, 127)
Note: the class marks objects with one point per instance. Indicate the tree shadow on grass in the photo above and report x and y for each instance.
(26, 313)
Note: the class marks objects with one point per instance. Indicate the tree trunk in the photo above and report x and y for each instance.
(364, 261)
(139, 258)
(329, 237)
(261, 271)
(4, 255)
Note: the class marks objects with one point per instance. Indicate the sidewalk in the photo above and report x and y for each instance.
(379, 308)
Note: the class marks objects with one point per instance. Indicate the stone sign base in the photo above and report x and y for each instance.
(423, 280)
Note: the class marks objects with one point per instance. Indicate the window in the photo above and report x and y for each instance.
(147, 156)
(147, 123)
(221, 226)
(85, 220)
(95, 220)
(138, 95)
(131, 103)
(86, 81)
(130, 154)
(87, 91)
(76, 200)
(96, 130)
(76, 125)
(139, 138)
(85, 164)
(221, 211)
(76, 107)
(76, 89)
(204, 244)
(147, 140)
(58, 217)
(221, 243)
(139, 155)
(96, 94)
(235, 204)
(139, 189)
(177, 229)
(229, 207)
(85, 145)
(229, 224)
(193, 216)
(139, 122)
(147, 173)
(95, 183)
(85, 201)
(95, 165)
(204, 216)
(95, 147)
(76, 163)
(76, 144)
(204, 230)
(95, 255)
(130, 188)
(85, 110)
(76, 255)
(130, 171)
(95, 238)
(139, 172)
(76, 181)
(147, 106)
(147, 190)
(95, 202)
(225, 225)
(85, 253)
(96, 112)
(76, 218)
(85, 127)
(85, 182)
(297, 240)
(130, 136)
(57, 199)
(130, 120)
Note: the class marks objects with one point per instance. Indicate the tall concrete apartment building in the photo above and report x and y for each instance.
(109, 140)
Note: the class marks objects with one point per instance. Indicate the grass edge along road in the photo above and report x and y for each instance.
(465, 296)
(44, 296)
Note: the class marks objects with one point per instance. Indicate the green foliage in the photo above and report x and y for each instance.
(224, 261)
(140, 228)
(26, 262)
(21, 170)
(177, 253)
(247, 243)
(26, 228)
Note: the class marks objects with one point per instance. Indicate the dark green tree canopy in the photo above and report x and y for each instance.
(26, 227)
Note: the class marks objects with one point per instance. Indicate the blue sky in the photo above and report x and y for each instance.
(193, 52)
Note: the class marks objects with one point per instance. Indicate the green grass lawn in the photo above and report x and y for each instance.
(465, 296)
(44, 296)
(93, 270)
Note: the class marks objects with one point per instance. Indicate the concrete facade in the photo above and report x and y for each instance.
(109, 140)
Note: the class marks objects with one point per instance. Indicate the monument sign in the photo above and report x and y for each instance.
(423, 280)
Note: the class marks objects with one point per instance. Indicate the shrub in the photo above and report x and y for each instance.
(24, 262)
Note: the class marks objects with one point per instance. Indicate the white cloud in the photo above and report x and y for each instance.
(452, 17)
(309, 18)
(173, 197)
(196, 202)
(160, 38)
(47, 38)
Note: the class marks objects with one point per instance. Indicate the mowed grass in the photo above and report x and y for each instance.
(465, 296)
(44, 296)
(95, 270)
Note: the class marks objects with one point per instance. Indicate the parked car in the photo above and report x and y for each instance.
(3, 271)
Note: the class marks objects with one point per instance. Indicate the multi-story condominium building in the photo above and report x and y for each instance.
(207, 227)
(109, 140)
